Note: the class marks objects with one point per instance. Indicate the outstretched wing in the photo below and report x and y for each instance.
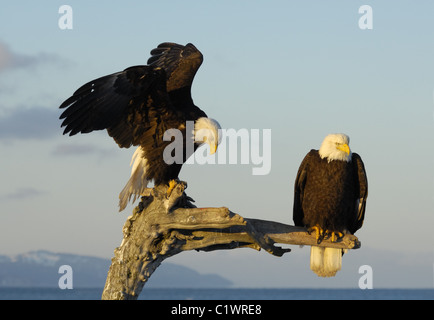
(362, 185)
(126, 103)
(180, 63)
(139, 102)
(300, 182)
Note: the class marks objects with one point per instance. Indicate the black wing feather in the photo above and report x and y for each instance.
(362, 181)
(180, 63)
(85, 112)
(121, 103)
(300, 182)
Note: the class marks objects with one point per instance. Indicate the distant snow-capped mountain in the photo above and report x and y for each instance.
(41, 269)
(44, 258)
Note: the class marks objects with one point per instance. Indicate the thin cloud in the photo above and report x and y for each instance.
(29, 123)
(72, 149)
(10, 60)
(23, 193)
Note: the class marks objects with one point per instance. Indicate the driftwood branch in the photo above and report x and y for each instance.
(162, 226)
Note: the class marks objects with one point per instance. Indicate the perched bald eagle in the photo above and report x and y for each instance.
(137, 106)
(330, 194)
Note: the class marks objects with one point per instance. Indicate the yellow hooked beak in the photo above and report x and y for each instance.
(212, 148)
(344, 147)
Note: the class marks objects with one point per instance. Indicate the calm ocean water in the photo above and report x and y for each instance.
(223, 294)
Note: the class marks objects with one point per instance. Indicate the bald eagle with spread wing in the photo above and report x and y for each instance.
(330, 194)
(137, 106)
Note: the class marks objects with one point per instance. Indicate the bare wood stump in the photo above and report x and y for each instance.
(162, 226)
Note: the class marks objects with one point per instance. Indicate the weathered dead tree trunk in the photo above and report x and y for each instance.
(162, 226)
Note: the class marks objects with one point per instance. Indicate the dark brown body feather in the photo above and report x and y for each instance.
(139, 104)
(331, 194)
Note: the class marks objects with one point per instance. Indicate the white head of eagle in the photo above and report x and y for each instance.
(207, 130)
(336, 147)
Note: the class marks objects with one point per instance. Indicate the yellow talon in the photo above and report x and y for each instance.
(172, 184)
(319, 233)
(336, 235)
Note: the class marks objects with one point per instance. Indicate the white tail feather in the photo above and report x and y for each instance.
(325, 262)
(137, 183)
